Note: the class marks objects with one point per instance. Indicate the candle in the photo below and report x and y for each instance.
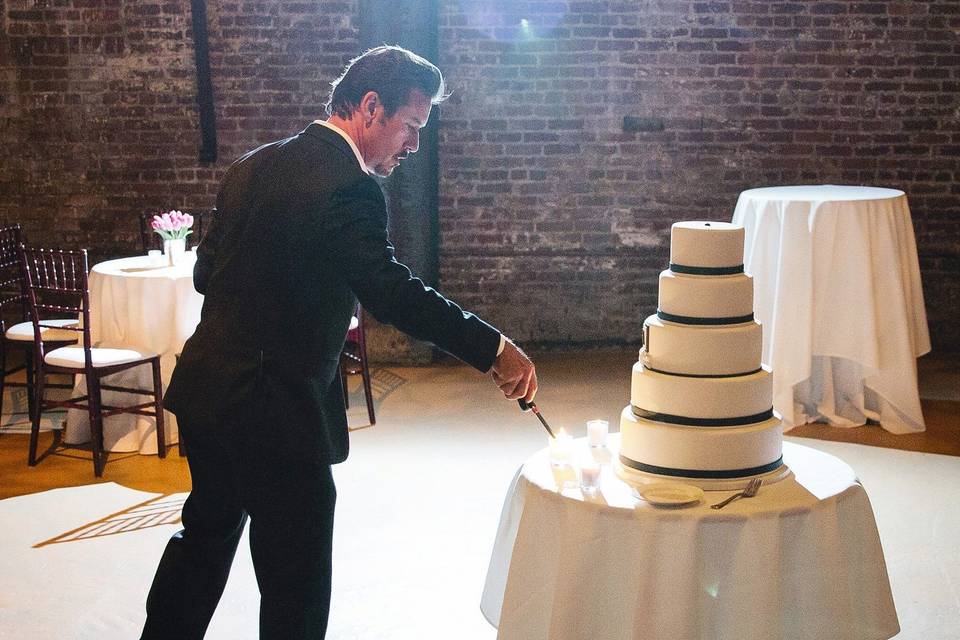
(597, 432)
(589, 476)
(561, 447)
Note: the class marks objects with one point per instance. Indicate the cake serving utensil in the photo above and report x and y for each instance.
(532, 406)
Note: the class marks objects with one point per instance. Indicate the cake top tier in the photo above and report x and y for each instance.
(709, 245)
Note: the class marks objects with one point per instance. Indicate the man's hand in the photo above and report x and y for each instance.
(514, 373)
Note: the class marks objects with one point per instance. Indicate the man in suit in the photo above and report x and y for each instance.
(299, 237)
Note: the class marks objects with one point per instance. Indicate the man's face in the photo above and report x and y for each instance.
(391, 139)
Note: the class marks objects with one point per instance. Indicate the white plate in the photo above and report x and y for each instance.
(669, 493)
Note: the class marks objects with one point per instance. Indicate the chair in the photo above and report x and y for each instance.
(57, 284)
(150, 239)
(353, 359)
(13, 295)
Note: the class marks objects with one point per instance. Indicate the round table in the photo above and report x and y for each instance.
(837, 290)
(801, 560)
(140, 303)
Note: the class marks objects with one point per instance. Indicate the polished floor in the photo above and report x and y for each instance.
(419, 502)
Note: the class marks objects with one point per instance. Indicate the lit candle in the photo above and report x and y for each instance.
(561, 447)
(597, 432)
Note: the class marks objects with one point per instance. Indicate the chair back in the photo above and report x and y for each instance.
(149, 239)
(12, 290)
(56, 283)
(355, 333)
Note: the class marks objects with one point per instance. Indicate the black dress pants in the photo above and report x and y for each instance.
(271, 473)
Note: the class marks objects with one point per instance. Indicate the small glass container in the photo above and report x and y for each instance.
(589, 476)
(597, 432)
(561, 449)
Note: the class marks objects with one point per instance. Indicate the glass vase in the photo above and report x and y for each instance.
(174, 250)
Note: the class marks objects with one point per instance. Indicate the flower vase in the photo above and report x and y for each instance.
(174, 250)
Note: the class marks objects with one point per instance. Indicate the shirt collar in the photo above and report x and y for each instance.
(353, 145)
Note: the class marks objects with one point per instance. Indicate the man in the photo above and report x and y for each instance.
(299, 237)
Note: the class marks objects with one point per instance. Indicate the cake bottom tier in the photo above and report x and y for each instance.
(711, 457)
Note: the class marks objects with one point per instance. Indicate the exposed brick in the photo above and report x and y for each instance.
(842, 87)
(544, 200)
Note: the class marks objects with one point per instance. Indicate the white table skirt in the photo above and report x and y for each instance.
(801, 560)
(837, 290)
(136, 303)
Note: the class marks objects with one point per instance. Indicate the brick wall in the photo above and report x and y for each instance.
(99, 110)
(564, 218)
(554, 221)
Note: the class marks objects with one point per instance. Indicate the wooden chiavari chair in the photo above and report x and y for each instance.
(57, 284)
(353, 359)
(18, 334)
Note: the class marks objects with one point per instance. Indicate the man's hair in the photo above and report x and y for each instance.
(392, 72)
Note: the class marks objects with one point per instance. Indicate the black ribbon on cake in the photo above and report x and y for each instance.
(700, 473)
(705, 271)
(704, 375)
(669, 317)
(687, 421)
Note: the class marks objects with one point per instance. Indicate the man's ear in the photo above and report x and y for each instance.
(369, 104)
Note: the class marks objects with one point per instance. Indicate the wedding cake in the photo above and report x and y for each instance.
(701, 407)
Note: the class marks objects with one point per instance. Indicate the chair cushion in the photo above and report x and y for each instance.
(23, 331)
(72, 356)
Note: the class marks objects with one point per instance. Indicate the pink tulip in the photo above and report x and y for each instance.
(181, 220)
(172, 224)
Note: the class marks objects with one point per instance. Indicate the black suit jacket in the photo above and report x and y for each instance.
(299, 236)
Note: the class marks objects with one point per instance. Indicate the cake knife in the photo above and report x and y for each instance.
(531, 406)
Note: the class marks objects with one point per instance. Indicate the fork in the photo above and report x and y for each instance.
(749, 492)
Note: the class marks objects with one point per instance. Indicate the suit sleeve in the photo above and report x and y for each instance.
(362, 254)
(207, 254)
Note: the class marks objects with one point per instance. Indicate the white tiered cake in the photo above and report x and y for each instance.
(701, 402)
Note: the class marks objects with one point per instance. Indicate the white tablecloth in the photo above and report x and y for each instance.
(801, 560)
(136, 303)
(837, 290)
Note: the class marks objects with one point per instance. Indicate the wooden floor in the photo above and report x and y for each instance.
(942, 434)
(940, 393)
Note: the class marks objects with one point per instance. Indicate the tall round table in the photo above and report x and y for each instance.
(837, 290)
(801, 560)
(136, 302)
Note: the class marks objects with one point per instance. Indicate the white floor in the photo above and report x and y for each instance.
(419, 501)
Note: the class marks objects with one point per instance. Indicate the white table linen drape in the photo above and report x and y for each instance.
(837, 290)
(801, 560)
(136, 303)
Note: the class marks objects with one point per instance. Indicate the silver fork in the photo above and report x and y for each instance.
(749, 492)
